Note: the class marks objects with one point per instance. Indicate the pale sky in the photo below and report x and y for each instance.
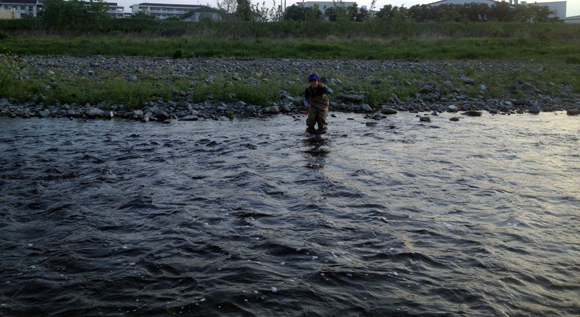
(573, 6)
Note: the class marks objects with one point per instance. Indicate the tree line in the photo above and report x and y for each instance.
(78, 15)
(473, 12)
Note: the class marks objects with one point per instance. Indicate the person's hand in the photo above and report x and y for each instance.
(321, 85)
(307, 107)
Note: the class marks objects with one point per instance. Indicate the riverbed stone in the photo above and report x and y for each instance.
(534, 109)
(473, 113)
(94, 112)
(573, 112)
(387, 110)
(352, 98)
(366, 108)
(425, 119)
(452, 108)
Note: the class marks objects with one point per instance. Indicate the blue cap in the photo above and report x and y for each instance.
(313, 77)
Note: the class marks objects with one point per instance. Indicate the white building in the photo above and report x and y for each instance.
(488, 2)
(559, 7)
(114, 10)
(22, 8)
(165, 10)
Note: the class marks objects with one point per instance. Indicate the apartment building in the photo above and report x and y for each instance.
(165, 10)
(22, 8)
(115, 10)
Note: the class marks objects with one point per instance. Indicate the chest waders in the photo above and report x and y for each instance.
(318, 111)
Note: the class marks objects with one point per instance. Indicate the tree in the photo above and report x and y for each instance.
(299, 13)
(244, 10)
(540, 13)
(75, 15)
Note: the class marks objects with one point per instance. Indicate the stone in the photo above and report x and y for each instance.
(534, 109)
(452, 108)
(161, 114)
(145, 119)
(454, 119)
(425, 119)
(190, 118)
(94, 112)
(109, 114)
(473, 113)
(386, 110)
(573, 112)
(241, 104)
(44, 113)
(352, 98)
(272, 109)
(366, 108)
(286, 109)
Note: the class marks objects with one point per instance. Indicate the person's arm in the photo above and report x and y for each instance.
(326, 89)
(306, 97)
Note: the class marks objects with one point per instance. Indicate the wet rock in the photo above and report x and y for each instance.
(425, 119)
(386, 110)
(534, 109)
(161, 114)
(109, 114)
(366, 108)
(145, 119)
(573, 112)
(472, 113)
(454, 119)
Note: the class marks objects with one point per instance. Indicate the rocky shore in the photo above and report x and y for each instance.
(439, 86)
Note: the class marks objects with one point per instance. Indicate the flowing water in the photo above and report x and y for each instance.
(257, 218)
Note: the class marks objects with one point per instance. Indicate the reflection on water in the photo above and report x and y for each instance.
(476, 217)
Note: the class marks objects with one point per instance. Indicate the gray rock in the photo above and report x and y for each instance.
(352, 98)
(468, 81)
(94, 112)
(425, 119)
(161, 114)
(573, 112)
(109, 114)
(285, 108)
(137, 112)
(452, 108)
(44, 113)
(386, 110)
(482, 88)
(534, 109)
(190, 118)
(465, 107)
(454, 119)
(272, 109)
(241, 104)
(365, 107)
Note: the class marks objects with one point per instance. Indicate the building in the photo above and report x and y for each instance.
(558, 7)
(6, 14)
(22, 8)
(323, 5)
(165, 10)
(114, 10)
(573, 19)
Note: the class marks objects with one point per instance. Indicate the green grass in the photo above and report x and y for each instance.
(177, 47)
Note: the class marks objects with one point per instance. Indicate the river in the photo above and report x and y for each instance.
(258, 218)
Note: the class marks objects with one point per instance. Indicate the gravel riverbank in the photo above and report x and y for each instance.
(431, 86)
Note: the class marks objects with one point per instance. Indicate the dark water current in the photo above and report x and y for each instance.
(479, 217)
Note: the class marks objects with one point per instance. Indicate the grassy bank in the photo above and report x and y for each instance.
(177, 47)
(120, 81)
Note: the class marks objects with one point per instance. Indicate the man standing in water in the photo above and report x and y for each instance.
(317, 103)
